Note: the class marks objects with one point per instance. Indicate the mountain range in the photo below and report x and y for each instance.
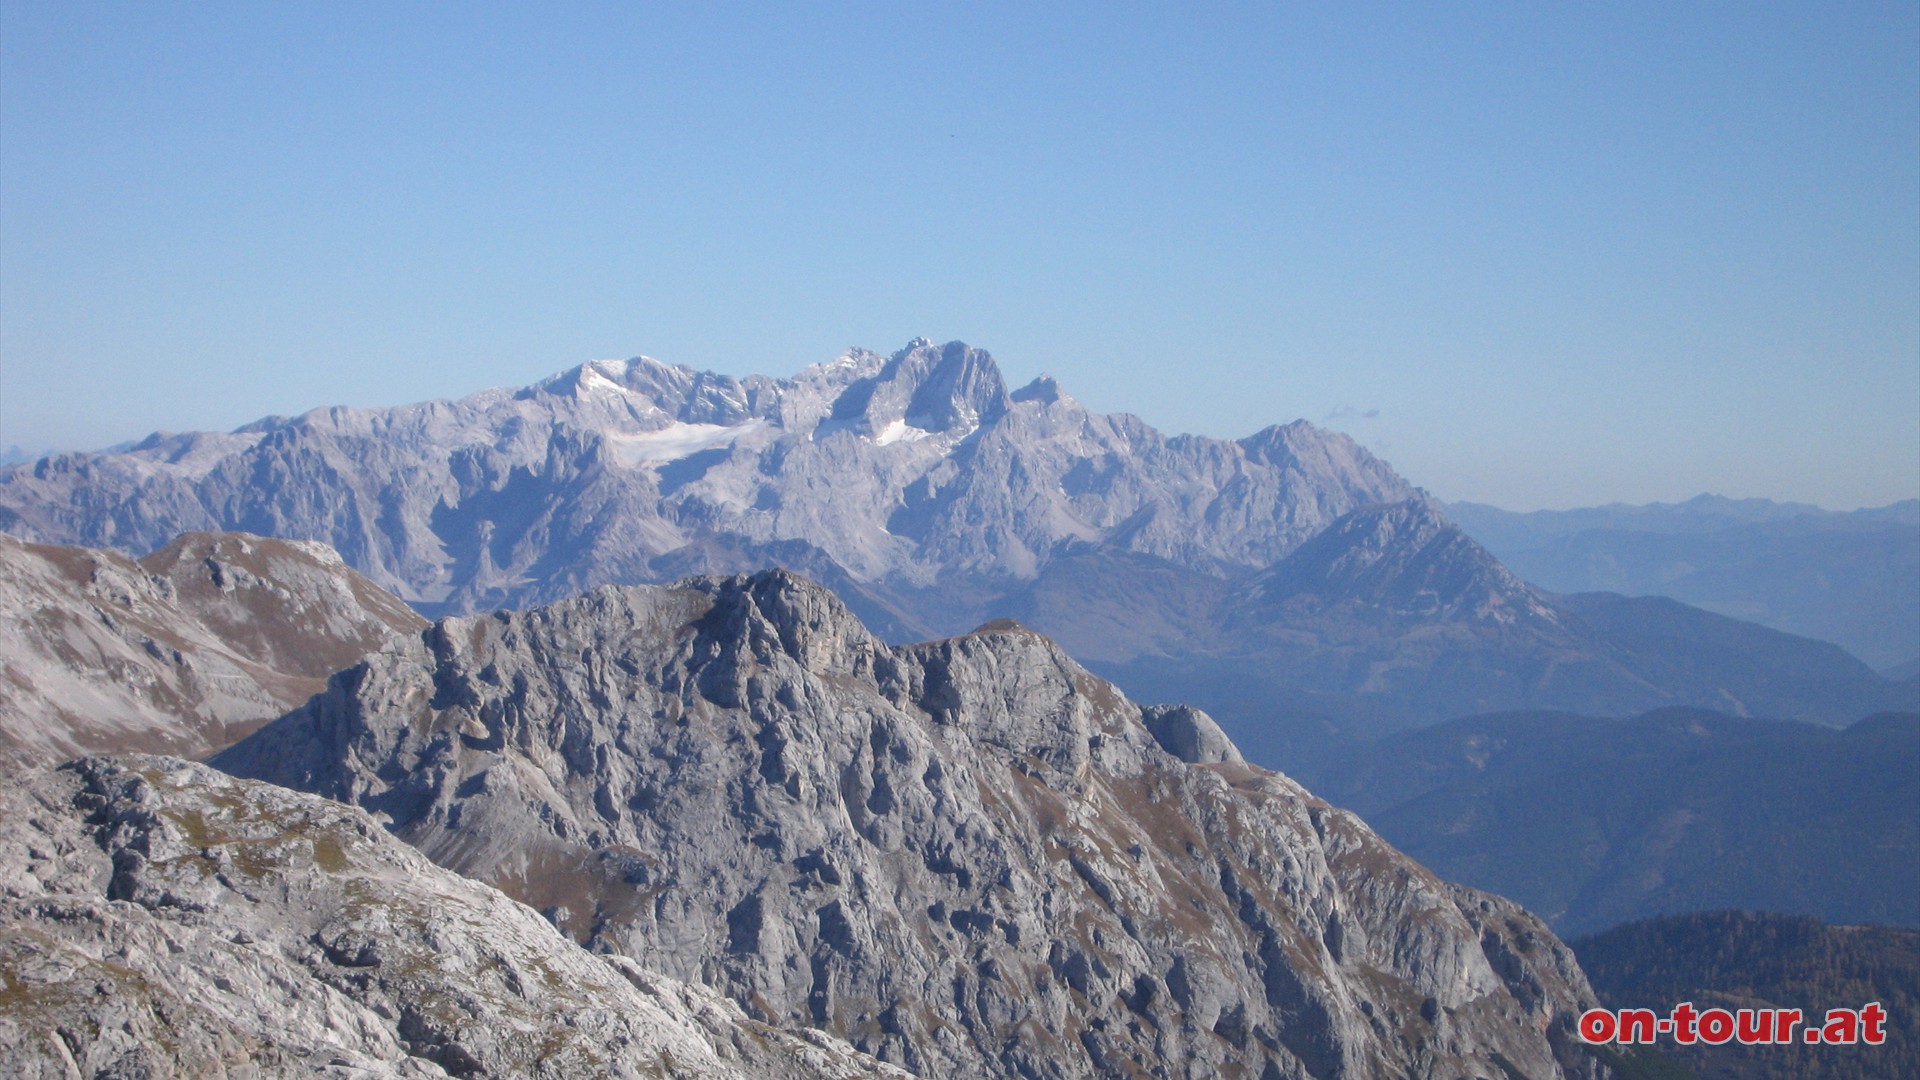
(1289, 581)
(1852, 578)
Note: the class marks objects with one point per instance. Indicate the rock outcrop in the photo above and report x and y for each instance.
(162, 919)
(182, 651)
(968, 857)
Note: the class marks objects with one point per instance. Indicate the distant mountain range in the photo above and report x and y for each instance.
(1593, 822)
(898, 471)
(1289, 581)
(1852, 578)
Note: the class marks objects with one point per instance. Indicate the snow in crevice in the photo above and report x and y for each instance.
(676, 441)
(592, 380)
(899, 431)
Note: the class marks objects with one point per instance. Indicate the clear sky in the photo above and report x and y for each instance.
(1535, 255)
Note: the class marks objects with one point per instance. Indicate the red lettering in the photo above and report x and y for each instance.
(1716, 1026)
(1753, 1027)
(1683, 1017)
(1637, 1025)
(1873, 1018)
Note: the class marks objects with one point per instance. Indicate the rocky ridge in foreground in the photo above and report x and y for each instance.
(968, 857)
(162, 919)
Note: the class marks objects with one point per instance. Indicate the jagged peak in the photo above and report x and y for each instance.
(938, 389)
(792, 603)
(746, 628)
(951, 384)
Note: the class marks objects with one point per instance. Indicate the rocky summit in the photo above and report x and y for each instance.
(968, 857)
(162, 920)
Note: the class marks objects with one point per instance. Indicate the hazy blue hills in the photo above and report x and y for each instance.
(1594, 822)
(1744, 959)
(1393, 617)
(1847, 577)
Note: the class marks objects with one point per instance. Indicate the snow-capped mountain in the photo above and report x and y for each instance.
(893, 470)
(1286, 575)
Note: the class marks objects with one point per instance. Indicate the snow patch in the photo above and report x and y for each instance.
(676, 441)
(592, 380)
(899, 431)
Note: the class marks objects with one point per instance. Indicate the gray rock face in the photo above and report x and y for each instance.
(183, 651)
(162, 919)
(901, 469)
(968, 857)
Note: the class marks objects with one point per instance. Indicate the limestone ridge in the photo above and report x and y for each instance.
(182, 651)
(968, 857)
(161, 919)
(898, 470)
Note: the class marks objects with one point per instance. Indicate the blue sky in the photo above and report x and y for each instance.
(1533, 257)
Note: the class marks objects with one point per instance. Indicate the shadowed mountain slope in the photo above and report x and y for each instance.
(1593, 822)
(1394, 617)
